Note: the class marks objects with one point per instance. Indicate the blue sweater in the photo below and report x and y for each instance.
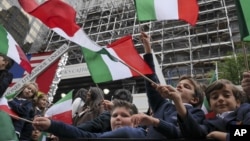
(68, 131)
(165, 111)
(24, 109)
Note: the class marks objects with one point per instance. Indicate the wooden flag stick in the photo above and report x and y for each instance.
(245, 56)
(17, 117)
(144, 76)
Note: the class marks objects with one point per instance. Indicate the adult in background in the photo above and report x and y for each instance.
(102, 122)
(92, 107)
(5, 76)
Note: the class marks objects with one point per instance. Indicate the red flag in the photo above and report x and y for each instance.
(59, 17)
(5, 107)
(53, 13)
(44, 79)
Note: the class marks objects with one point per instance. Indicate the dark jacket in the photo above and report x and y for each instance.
(97, 125)
(5, 80)
(241, 116)
(24, 109)
(165, 110)
(68, 131)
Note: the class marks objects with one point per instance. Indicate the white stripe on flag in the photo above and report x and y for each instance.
(166, 9)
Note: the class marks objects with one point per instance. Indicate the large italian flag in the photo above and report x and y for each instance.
(127, 62)
(243, 11)
(10, 48)
(61, 110)
(61, 18)
(186, 10)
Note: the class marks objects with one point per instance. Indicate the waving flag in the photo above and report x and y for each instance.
(243, 11)
(102, 68)
(59, 17)
(186, 10)
(7, 129)
(61, 110)
(5, 107)
(46, 76)
(9, 47)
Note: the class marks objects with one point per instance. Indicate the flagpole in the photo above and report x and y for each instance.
(138, 72)
(17, 117)
(245, 55)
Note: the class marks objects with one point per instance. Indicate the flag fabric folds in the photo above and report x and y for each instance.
(10, 48)
(186, 10)
(61, 110)
(103, 68)
(45, 76)
(7, 129)
(5, 107)
(59, 17)
(243, 12)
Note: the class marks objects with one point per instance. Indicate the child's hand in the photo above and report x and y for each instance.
(41, 123)
(245, 83)
(108, 105)
(218, 135)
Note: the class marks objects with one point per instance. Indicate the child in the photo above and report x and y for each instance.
(225, 101)
(102, 122)
(5, 76)
(163, 123)
(22, 104)
(41, 104)
(120, 124)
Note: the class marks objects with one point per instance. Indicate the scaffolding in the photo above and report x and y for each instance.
(180, 48)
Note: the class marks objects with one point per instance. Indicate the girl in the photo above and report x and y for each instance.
(22, 104)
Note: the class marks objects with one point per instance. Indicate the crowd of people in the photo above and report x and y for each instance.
(174, 112)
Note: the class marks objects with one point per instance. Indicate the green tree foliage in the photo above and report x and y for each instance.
(232, 68)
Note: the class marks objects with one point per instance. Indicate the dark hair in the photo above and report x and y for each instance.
(221, 83)
(198, 89)
(81, 93)
(7, 59)
(123, 94)
(122, 103)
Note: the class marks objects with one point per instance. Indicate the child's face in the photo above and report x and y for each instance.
(29, 91)
(186, 89)
(120, 117)
(223, 100)
(43, 102)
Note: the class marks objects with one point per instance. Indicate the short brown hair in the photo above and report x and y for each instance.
(221, 83)
(122, 103)
(198, 89)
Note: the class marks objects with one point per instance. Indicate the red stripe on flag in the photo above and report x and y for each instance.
(65, 117)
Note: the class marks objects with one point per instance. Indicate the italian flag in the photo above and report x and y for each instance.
(61, 110)
(10, 48)
(59, 17)
(243, 12)
(7, 129)
(103, 68)
(186, 10)
(4, 106)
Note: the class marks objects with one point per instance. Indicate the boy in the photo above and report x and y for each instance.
(225, 101)
(189, 95)
(120, 124)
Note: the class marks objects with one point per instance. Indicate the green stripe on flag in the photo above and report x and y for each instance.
(145, 10)
(67, 97)
(3, 40)
(243, 12)
(97, 66)
(7, 131)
